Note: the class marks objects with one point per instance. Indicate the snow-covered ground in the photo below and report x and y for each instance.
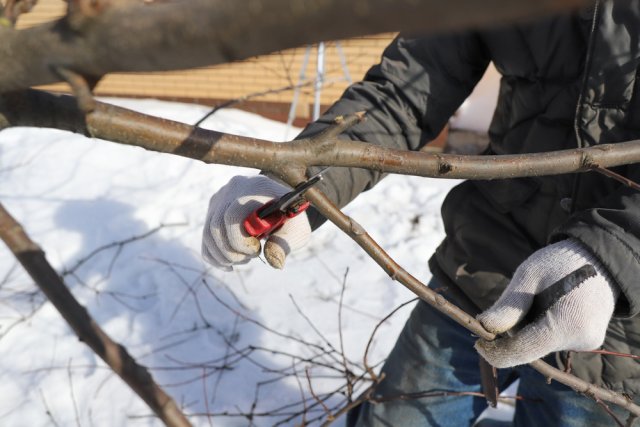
(188, 323)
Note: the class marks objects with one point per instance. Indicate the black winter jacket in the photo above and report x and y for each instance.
(568, 81)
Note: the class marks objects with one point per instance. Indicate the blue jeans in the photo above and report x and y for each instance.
(432, 354)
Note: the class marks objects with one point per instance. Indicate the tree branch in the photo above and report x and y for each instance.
(439, 302)
(584, 387)
(622, 179)
(123, 35)
(41, 109)
(115, 355)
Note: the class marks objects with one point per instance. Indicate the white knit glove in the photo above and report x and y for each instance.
(225, 242)
(571, 311)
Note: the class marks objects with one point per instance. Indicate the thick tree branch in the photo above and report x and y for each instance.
(125, 36)
(41, 109)
(115, 355)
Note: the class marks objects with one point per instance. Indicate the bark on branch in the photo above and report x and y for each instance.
(123, 35)
(115, 355)
(41, 109)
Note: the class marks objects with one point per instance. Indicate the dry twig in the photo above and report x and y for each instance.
(365, 361)
(622, 179)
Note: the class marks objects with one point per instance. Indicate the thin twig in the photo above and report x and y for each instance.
(225, 361)
(236, 101)
(611, 174)
(73, 396)
(608, 410)
(119, 244)
(333, 351)
(612, 353)
(81, 86)
(47, 409)
(431, 394)
(301, 389)
(315, 396)
(366, 395)
(291, 86)
(205, 396)
(259, 324)
(373, 334)
(347, 372)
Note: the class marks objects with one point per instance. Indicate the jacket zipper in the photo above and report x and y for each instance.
(585, 77)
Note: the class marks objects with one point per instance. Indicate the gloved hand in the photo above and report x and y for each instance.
(225, 242)
(572, 310)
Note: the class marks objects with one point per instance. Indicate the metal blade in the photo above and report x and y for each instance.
(293, 197)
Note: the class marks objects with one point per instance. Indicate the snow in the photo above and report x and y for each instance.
(157, 297)
(476, 112)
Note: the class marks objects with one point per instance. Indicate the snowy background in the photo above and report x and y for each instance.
(217, 342)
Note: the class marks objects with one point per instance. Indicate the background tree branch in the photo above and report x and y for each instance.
(115, 355)
(96, 38)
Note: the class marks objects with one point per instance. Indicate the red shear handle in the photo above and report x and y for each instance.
(263, 227)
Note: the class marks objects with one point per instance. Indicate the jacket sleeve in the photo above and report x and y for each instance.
(612, 232)
(408, 97)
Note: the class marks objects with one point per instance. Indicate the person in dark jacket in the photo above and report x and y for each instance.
(571, 241)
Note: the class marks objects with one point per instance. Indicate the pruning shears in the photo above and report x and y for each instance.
(269, 217)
